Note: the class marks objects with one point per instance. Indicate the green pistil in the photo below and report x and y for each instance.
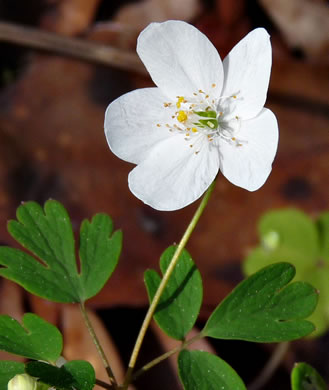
(211, 122)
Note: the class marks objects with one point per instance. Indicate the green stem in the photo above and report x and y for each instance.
(164, 282)
(103, 384)
(99, 348)
(166, 355)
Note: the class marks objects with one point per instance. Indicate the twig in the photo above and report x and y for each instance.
(103, 384)
(73, 47)
(166, 355)
(98, 345)
(270, 366)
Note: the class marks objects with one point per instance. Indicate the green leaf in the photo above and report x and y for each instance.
(288, 235)
(34, 339)
(180, 302)
(8, 370)
(263, 309)
(76, 374)
(200, 370)
(99, 253)
(305, 377)
(48, 235)
(319, 278)
(323, 227)
(292, 236)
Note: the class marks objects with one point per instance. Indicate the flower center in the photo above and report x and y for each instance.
(202, 117)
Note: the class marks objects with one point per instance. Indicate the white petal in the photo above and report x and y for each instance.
(249, 165)
(247, 71)
(180, 59)
(131, 123)
(173, 176)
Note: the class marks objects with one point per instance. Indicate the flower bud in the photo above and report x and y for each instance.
(22, 382)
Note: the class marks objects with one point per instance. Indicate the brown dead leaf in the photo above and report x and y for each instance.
(139, 15)
(303, 23)
(70, 17)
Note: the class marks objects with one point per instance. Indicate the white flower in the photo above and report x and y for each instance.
(204, 116)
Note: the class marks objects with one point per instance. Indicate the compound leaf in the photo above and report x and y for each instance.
(180, 302)
(199, 370)
(34, 339)
(48, 235)
(263, 308)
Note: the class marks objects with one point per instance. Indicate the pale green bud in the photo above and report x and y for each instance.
(22, 382)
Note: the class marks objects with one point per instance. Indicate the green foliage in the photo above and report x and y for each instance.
(34, 339)
(8, 370)
(99, 254)
(76, 374)
(199, 370)
(48, 235)
(263, 309)
(180, 303)
(305, 377)
(303, 243)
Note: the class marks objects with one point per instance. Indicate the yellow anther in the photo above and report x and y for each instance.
(194, 130)
(200, 91)
(180, 99)
(207, 96)
(234, 96)
(213, 85)
(221, 113)
(182, 116)
(236, 117)
(187, 134)
(195, 94)
(158, 124)
(233, 139)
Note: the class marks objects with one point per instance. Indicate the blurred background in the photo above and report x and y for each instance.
(54, 92)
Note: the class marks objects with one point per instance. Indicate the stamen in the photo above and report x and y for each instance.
(158, 124)
(182, 116)
(213, 85)
(179, 101)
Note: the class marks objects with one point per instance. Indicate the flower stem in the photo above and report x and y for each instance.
(166, 355)
(99, 348)
(164, 282)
